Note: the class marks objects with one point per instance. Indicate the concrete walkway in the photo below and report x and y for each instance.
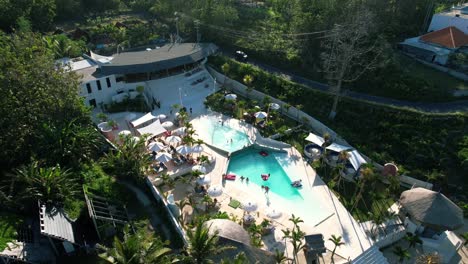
(448, 107)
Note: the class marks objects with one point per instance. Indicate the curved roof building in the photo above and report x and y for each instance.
(153, 60)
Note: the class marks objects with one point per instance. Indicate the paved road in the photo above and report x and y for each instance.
(448, 107)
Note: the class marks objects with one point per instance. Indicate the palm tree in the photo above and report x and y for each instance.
(202, 245)
(248, 79)
(413, 240)
(225, 68)
(50, 185)
(401, 253)
(240, 258)
(280, 257)
(295, 235)
(131, 161)
(336, 240)
(139, 248)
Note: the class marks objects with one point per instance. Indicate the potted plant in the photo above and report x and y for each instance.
(266, 226)
(113, 124)
(102, 117)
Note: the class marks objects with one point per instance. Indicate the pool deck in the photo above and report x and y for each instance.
(335, 219)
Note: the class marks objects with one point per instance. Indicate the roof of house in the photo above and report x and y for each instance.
(55, 224)
(315, 243)
(416, 43)
(450, 37)
(161, 58)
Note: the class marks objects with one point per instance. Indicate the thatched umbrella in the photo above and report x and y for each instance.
(432, 209)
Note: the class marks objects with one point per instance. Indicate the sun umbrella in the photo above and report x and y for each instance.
(164, 157)
(180, 131)
(125, 133)
(215, 190)
(197, 149)
(184, 149)
(257, 107)
(261, 115)
(250, 206)
(167, 124)
(273, 213)
(199, 168)
(231, 97)
(161, 116)
(432, 209)
(173, 139)
(204, 180)
(155, 146)
(275, 106)
(135, 139)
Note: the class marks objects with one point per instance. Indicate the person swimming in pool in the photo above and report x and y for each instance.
(267, 189)
(247, 180)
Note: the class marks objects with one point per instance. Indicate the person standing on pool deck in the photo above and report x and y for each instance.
(247, 180)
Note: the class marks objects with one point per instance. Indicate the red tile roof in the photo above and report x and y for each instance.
(450, 37)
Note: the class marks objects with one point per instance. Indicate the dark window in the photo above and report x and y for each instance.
(108, 82)
(88, 86)
(92, 103)
(98, 85)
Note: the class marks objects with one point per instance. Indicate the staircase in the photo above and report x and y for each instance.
(371, 256)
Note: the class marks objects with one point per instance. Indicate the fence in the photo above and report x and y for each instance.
(291, 111)
(160, 198)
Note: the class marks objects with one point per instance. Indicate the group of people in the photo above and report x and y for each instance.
(246, 179)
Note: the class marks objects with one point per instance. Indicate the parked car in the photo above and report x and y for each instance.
(241, 56)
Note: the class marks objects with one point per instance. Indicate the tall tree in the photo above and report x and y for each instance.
(350, 50)
(50, 185)
(401, 253)
(34, 93)
(337, 242)
(136, 248)
(202, 245)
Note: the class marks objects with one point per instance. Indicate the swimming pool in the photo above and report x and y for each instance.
(222, 136)
(249, 163)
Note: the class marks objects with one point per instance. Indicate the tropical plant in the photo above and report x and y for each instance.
(131, 161)
(225, 68)
(401, 253)
(139, 248)
(412, 240)
(280, 257)
(465, 237)
(295, 236)
(248, 79)
(240, 258)
(202, 245)
(336, 240)
(102, 117)
(50, 185)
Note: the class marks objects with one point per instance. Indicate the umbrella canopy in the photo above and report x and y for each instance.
(173, 139)
(125, 132)
(167, 124)
(135, 139)
(184, 149)
(163, 157)
(273, 213)
(275, 106)
(215, 190)
(250, 206)
(257, 107)
(180, 131)
(161, 116)
(197, 148)
(261, 115)
(155, 146)
(432, 209)
(199, 168)
(203, 180)
(231, 97)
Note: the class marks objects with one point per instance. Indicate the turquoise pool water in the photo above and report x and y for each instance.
(249, 163)
(222, 136)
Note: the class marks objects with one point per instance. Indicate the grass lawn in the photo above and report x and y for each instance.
(8, 227)
(440, 79)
